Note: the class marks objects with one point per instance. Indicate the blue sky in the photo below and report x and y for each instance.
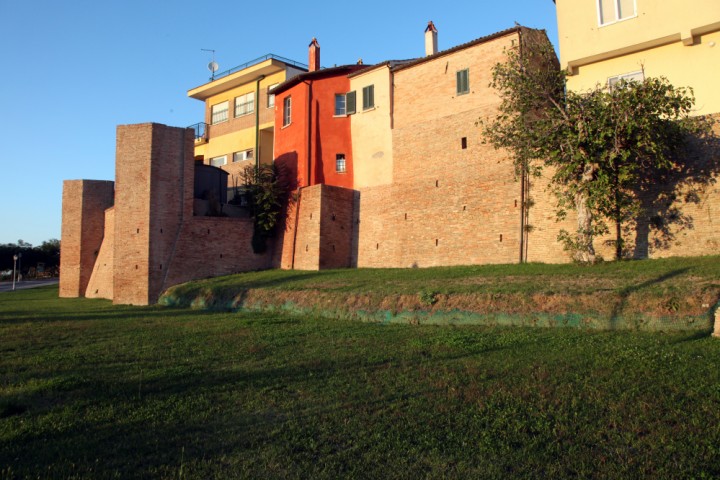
(74, 70)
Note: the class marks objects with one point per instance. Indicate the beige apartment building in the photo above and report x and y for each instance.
(603, 41)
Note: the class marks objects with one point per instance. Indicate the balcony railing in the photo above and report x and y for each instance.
(287, 61)
(200, 131)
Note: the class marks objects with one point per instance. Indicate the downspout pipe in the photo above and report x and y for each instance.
(257, 126)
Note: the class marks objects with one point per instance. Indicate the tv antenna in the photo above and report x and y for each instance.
(212, 66)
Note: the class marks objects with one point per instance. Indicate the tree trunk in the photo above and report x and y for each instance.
(586, 250)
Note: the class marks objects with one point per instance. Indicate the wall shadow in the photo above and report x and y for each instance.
(664, 194)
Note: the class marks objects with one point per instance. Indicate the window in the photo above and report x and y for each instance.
(270, 96)
(340, 104)
(463, 82)
(340, 163)
(245, 104)
(218, 161)
(244, 155)
(628, 77)
(368, 97)
(219, 113)
(287, 111)
(350, 102)
(611, 11)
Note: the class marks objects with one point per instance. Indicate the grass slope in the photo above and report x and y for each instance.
(665, 294)
(91, 390)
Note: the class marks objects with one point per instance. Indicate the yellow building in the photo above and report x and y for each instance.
(240, 114)
(603, 41)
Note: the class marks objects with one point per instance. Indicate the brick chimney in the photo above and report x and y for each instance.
(431, 46)
(314, 56)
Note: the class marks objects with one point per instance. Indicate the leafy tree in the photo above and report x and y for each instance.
(603, 145)
(266, 193)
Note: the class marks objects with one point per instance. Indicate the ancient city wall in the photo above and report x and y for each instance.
(83, 222)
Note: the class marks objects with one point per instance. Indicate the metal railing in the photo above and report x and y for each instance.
(258, 60)
(200, 131)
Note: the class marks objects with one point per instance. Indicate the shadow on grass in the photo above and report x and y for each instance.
(139, 427)
(627, 291)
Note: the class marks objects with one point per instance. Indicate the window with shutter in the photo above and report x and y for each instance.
(463, 82)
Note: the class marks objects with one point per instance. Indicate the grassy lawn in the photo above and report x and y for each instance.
(665, 294)
(91, 390)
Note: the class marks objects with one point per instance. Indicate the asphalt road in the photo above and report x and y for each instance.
(7, 286)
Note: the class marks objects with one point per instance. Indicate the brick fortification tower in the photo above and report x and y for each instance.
(83, 218)
(153, 195)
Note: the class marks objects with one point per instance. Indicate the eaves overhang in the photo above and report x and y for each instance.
(242, 77)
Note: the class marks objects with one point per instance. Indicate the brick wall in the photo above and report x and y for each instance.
(307, 237)
(101, 281)
(83, 218)
(213, 246)
(336, 227)
(322, 235)
(158, 241)
(453, 200)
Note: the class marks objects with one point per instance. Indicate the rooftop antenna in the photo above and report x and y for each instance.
(212, 66)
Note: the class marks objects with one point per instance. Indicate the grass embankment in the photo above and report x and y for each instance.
(91, 390)
(666, 294)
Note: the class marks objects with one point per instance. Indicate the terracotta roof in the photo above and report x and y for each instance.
(389, 63)
(471, 43)
(317, 74)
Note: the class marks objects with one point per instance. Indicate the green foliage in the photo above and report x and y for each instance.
(605, 146)
(428, 298)
(48, 253)
(266, 194)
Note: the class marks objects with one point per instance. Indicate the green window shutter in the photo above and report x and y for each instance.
(350, 102)
(463, 81)
(368, 97)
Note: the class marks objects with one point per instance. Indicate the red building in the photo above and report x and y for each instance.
(313, 143)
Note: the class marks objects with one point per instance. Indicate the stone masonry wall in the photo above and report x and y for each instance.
(83, 218)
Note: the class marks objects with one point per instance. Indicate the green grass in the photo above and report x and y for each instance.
(665, 294)
(654, 276)
(91, 390)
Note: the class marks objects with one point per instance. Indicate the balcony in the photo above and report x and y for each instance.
(201, 132)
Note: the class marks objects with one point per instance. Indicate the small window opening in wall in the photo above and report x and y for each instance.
(377, 246)
(333, 217)
(138, 231)
(221, 255)
(333, 248)
(406, 216)
(501, 237)
(161, 266)
(310, 215)
(436, 242)
(136, 267)
(161, 230)
(437, 183)
(306, 248)
(463, 142)
(464, 207)
(208, 231)
(516, 203)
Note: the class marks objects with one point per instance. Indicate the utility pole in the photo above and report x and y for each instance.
(15, 258)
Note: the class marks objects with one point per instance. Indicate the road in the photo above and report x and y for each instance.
(7, 286)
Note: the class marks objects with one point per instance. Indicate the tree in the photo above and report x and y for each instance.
(603, 145)
(266, 193)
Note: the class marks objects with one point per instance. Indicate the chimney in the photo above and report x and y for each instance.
(431, 46)
(314, 56)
